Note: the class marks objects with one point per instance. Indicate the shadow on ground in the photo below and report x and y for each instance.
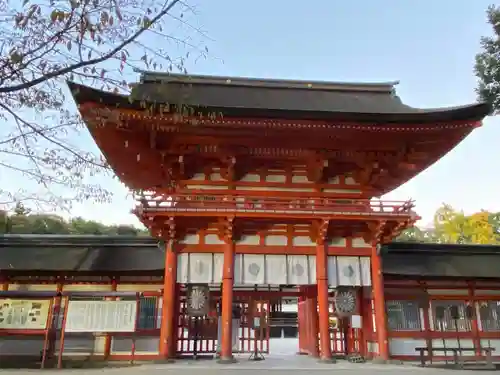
(465, 367)
(85, 363)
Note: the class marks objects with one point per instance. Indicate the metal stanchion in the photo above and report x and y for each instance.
(256, 355)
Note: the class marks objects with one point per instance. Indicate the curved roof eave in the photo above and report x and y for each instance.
(405, 114)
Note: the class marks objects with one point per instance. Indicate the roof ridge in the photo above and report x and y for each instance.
(154, 77)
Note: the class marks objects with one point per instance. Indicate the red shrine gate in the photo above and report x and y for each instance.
(275, 193)
(244, 276)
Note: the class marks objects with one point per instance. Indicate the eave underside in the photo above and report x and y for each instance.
(145, 158)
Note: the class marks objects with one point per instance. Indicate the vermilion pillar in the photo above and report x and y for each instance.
(301, 320)
(167, 329)
(56, 312)
(226, 346)
(323, 304)
(379, 304)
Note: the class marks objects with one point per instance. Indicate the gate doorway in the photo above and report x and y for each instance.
(269, 322)
(284, 326)
(198, 337)
(345, 332)
(345, 338)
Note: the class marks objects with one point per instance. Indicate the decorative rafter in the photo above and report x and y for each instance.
(173, 121)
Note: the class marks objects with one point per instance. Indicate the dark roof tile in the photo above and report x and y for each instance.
(442, 265)
(284, 99)
(135, 254)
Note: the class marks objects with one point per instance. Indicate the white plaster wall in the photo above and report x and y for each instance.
(405, 346)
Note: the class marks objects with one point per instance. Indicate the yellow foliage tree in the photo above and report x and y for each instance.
(451, 226)
(482, 230)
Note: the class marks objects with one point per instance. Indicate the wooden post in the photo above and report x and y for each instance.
(323, 305)
(54, 322)
(360, 332)
(63, 333)
(108, 338)
(226, 346)
(476, 337)
(5, 285)
(313, 303)
(167, 329)
(379, 304)
(427, 323)
(367, 322)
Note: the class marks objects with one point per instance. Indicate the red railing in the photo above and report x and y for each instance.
(197, 203)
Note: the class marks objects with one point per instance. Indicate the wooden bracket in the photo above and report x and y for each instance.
(376, 232)
(226, 229)
(397, 229)
(319, 231)
(316, 167)
(228, 168)
(166, 230)
(153, 139)
(168, 171)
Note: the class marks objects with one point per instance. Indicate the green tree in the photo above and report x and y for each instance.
(414, 234)
(4, 222)
(487, 66)
(47, 224)
(494, 220)
(20, 210)
(23, 222)
(102, 43)
(82, 226)
(127, 230)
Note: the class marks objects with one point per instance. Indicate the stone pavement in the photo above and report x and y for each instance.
(276, 365)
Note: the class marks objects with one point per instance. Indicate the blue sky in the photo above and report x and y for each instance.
(427, 45)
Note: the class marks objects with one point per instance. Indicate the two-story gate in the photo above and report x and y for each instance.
(269, 184)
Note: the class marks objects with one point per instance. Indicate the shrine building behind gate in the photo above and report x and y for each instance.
(264, 189)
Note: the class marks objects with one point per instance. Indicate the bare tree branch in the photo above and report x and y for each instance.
(100, 43)
(95, 61)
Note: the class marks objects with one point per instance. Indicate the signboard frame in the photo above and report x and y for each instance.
(36, 310)
(87, 316)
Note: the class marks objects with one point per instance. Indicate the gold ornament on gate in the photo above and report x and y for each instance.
(198, 300)
(345, 301)
(333, 322)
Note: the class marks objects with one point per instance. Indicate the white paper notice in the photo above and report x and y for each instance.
(101, 316)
